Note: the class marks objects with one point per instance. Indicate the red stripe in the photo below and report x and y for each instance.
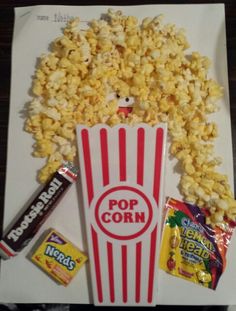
(138, 271)
(152, 263)
(97, 264)
(156, 191)
(122, 154)
(111, 271)
(104, 152)
(87, 164)
(124, 272)
(158, 163)
(140, 156)
(6, 250)
(71, 175)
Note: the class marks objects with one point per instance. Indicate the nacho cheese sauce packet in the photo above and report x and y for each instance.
(24, 228)
(191, 249)
(58, 257)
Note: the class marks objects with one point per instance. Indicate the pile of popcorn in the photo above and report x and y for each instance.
(147, 62)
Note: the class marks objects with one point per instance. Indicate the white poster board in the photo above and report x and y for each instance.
(35, 28)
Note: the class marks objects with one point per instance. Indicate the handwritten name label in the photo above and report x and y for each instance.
(57, 17)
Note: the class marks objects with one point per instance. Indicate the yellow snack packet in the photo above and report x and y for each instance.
(58, 257)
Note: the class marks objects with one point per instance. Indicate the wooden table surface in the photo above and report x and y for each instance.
(6, 28)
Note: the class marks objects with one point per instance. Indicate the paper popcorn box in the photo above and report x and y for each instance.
(122, 180)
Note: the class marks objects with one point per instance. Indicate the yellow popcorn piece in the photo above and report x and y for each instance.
(49, 169)
(43, 148)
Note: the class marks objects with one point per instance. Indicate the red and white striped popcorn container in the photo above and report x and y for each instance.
(122, 170)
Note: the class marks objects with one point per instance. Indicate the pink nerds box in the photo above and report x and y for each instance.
(122, 170)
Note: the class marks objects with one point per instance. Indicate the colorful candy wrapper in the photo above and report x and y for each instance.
(58, 257)
(190, 249)
(122, 181)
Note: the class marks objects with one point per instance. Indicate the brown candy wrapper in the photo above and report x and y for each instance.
(26, 226)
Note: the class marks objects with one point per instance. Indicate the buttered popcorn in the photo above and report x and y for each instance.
(144, 61)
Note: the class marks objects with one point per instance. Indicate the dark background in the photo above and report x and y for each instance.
(6, 29)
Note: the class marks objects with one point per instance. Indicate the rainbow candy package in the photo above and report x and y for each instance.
(191, 249)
